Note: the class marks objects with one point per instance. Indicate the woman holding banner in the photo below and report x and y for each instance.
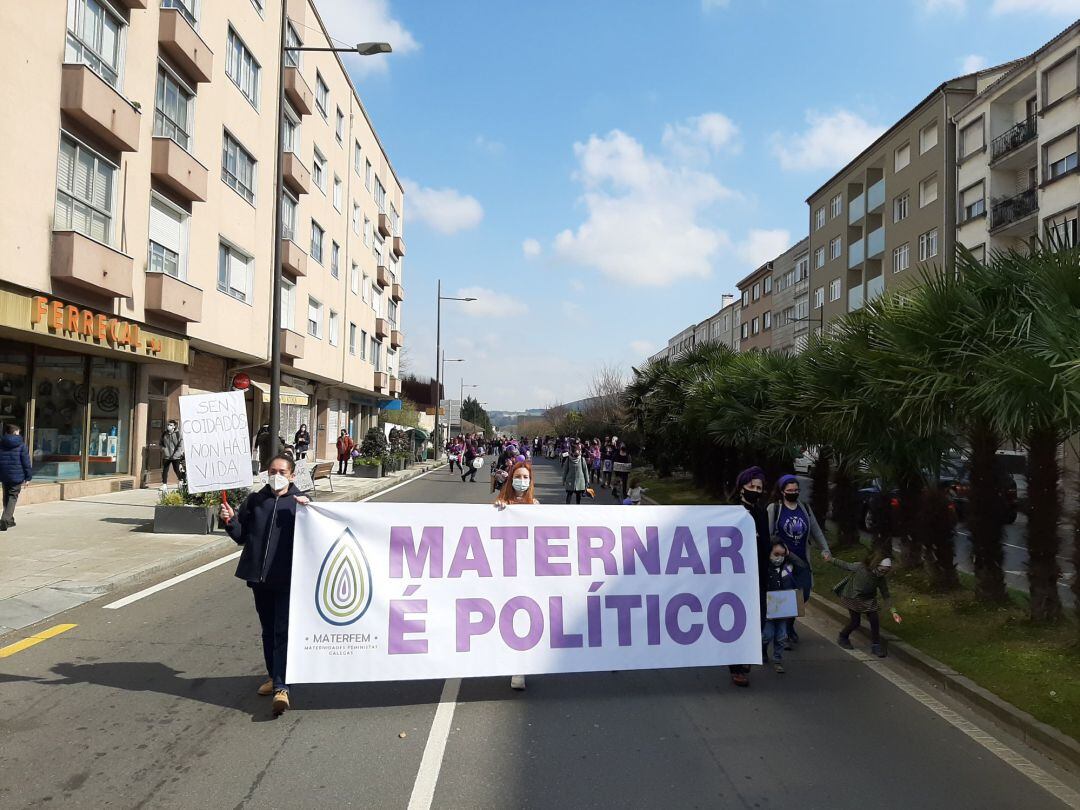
(518, 490)
(749, 485)
(263, 525)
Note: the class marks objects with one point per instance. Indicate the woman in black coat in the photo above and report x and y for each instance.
(302, 441)
(749, 486)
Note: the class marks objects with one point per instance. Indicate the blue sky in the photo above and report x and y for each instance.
(598, 173)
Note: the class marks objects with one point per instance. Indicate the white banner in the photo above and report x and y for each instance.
(409, 591)
(217, 452)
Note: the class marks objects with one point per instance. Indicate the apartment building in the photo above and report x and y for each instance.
(791, 298)
(756, 309)
(720, 327)
(1017, 153)
(139, 181)
(890, 210)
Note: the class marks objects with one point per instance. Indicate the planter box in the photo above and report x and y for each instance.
(367, 470)
(183, 519)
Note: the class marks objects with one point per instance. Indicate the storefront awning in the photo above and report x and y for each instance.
(423, 434)
(390, 405)
(289, 395)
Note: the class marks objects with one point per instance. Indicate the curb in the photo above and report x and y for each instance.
(1032, 731)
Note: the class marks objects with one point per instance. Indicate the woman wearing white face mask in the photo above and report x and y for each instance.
(518, 490)
(263, 525)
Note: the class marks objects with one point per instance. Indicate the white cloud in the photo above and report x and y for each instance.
(828, 142)
(762, 245)
(642, 225)
(695, 139)
(934, 6)
(490, 146)
(1058, 7)
(972, 63)
(490, 304)
(643, 348)
(445, 210)
(352, 21)
(531, 248)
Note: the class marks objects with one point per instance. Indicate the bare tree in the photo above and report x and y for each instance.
(605, 390)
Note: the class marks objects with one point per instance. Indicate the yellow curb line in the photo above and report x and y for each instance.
(37, 638)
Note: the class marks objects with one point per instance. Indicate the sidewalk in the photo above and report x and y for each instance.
(65, 553)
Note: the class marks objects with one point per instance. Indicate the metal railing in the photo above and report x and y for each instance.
(1014, 137)
(1011, 209)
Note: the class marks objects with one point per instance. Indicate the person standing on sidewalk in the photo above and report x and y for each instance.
(264, 525)
(749, 485)
(575, 474)
(302, 441)
(517, 490)
(345, 445)
(15, 470)
(172, 452)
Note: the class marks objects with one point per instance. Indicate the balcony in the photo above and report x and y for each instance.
(855, 254)
(184, 46)
(298, 92)
(293, 259)
(395, 339)
(395, 386)
(1015, 137)
(399, 246)
(90, 101)
(295, 174)
(174, 167)
(855, 298)
(91, 265)
(382, 328)
(382, 382)
(875, 243)
(1004, 213)
(133, 4)
(382, 275)
(875, 287)
(385, 226)
(173, 298)
(397, 292)
(856, 209)
(875, 195)
(292, 344)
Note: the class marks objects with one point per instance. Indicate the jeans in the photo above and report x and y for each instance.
(573, 493)
(775, 633)
(623, 478)
(853, 625)
(175, 464)
(11, 495)
(342, 464)
(272, 605)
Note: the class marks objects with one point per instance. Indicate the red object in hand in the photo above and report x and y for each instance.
(225, 500)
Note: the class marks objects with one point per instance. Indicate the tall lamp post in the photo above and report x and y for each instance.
(364, 49)
(461, 399)
(439, 298)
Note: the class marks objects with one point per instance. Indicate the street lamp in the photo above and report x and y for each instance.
(461, 399)
(363, 49)
(439, 298)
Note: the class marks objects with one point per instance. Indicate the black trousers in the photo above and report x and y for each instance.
(853, 624)
(342, 464)
(175, 464)
(11, 497)
(468, 471)
(573, 493)
(272, 605)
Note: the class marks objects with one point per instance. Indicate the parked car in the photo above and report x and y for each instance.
(871, 499)
(958, 478)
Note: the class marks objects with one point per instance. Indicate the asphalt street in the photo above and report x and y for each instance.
(154, 705)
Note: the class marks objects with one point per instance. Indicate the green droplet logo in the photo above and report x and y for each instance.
(343, 589)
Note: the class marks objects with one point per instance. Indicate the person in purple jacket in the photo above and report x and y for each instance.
(15, 470)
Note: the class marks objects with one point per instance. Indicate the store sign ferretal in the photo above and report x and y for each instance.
(63, 317)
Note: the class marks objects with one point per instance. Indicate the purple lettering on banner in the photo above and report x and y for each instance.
(652, 618)
(648, 552)
(684, 553)
(543, 551)
(400, 624)
(466, 627)
(559, 639)
(596, 624)
(738, 610)
(623, 604)
(536, 623)
(587, 552)
(719, 550)
(671, 618)
(429, 553)
(510, 535)
(469, 555)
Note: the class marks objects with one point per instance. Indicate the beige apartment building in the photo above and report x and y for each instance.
(755, 312)
(138, 184)
(720, 327)
(791, 299)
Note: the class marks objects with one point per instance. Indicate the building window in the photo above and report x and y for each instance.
(339, 126)
(367, 174)
(900, 207)
(365, 289)
(755, 326)
(95, 36)
(376, 354)
(317, 234)
(767, 285)
(766, 321)
(802, 268)
(354, 279)
(928, 245)
(85, 186)
(288, 303)
(901, 258)
(357, 158)
(337, 192)
(819, 258)
(186, 8)
(288, 217)
(836, 206)
(836, 246)
(241, 67)
(318, 169)
(902, 157)
(927, 138)
(368, 230)
(972, 202)
(291, 131)
(380, 195)
(234, 275)
(292, 40)
(168, 226)
(395, 221)
(928, 191)
(322, 94)
(1059, 81)
(1061, 230)
(314, 318)
(363, 344)
(971, 138)
(173, 103)
(746, 298)
(819, 298)
(745, 331)
(356, 218)
(238, 168)
(333, 328)
(834, 290)
(335, 256)
(756, 294)
(819, 218)
(352, 338)
(1060, 156)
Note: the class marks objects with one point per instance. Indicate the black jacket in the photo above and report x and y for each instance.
(263, 525)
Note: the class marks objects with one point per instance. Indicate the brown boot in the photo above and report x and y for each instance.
(281, 701)
(267, 689)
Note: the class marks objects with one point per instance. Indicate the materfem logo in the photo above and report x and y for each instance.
(343, 589)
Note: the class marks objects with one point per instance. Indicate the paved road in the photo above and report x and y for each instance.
(153, 705)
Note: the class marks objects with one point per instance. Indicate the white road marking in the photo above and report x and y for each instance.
(135, 597)
(382, 492)
(427, 777)
(1068, 796)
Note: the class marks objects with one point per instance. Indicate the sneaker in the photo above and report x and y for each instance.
(844, 642)
(517, 682)
(778, 668)
(281, 701)
(266, 689)
(878, 650)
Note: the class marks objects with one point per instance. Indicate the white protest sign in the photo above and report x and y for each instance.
(303, 479)
(384, 591)
(217, 452)
(783, 604)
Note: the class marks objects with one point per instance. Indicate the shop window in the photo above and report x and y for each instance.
(110, 401)
(14, 388)
(60, 395)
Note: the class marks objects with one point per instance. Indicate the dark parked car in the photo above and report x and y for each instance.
(872, 500)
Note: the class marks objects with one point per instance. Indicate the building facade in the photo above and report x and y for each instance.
(755, 312)
(139, 266)
(791, 298)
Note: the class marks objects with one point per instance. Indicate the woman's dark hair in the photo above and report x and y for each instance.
(286, 458)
